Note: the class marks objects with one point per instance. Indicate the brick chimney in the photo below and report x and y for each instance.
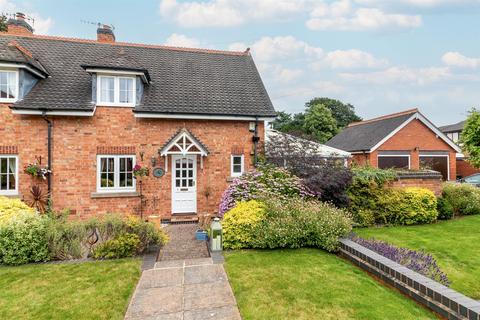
(19, 25)
(105, 34)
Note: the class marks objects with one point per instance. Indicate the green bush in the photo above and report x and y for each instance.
(463, 198)
(23, 239)
(408, 206)
(239, 224)
(276, 223)
(125, 245)
(444, 208)
(67, 239)
(298, 223)
(9, 208)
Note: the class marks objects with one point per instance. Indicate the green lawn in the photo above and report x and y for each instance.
(455, 244)
(89, 290)
(311, 284)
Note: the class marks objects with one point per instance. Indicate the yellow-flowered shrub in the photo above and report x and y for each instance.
(12, 207)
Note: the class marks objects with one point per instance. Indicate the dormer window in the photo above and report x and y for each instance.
(116, 91)
(8, 86)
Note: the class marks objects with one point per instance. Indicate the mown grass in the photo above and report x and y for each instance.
(311, 284)
(454, 243)
(89, 290)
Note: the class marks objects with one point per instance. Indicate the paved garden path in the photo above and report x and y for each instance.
(186, 288)
(182, 244)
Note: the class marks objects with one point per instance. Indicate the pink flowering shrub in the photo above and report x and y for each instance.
(266, 181)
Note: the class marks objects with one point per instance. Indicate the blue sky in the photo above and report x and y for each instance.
(382, 56)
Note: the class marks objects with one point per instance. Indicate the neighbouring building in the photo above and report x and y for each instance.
(404, 140)
(93, 109)
(464, 168)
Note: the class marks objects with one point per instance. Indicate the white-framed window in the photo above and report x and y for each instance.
(236, 165)
(8, 85)
(397, 161)
(115, 173)
(8, 175)
(116, 91)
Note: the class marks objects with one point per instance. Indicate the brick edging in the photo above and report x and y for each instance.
(435, 296)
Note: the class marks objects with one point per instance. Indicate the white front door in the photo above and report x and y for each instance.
(184, 184)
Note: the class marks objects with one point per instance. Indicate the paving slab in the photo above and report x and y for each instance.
(181, 289)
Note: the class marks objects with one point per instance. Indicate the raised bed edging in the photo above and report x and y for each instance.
(437, 297)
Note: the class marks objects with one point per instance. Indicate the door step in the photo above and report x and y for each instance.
(184, 218)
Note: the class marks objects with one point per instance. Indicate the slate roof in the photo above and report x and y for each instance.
(363, 136)
(12, 51)
(453, 127)
(184, 81)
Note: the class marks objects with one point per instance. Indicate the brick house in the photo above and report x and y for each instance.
(93, 109)
(464, 168)
(405, 140)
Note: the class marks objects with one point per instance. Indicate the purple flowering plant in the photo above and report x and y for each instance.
(419, 261)
(264, 181)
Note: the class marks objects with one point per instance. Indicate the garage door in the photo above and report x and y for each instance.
(437, 163)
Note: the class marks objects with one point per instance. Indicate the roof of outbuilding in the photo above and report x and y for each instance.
(364, 135)
(184, 81)
(453, 127)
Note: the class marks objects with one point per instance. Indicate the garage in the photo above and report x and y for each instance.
(437, 162)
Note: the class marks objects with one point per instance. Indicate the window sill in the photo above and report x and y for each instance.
(14, 196)
(100, 195)
(230, 179)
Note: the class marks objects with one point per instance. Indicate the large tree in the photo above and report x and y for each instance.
(470, 137)
(343, 113)
(319, 123)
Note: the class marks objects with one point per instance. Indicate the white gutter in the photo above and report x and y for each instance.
(199, 117)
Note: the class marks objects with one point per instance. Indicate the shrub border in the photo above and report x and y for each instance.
(435, 296)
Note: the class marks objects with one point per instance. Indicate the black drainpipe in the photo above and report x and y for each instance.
(255, 139)
(49, 147)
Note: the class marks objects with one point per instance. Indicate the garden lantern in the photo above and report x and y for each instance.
(216, 235)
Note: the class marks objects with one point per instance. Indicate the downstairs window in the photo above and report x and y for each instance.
(115, 173)
(8, 175)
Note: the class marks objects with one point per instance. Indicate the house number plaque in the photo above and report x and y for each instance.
(158, 172)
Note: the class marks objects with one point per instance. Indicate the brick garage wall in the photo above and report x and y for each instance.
(75, 143)
(413, 138)
(465, 169)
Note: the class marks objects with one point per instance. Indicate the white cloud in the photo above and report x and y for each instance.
(180, 40)
(396, 75)
(456, 59)
(227, 13)
(351, 59)
(418, 3)
(40, 25)
(343, 15)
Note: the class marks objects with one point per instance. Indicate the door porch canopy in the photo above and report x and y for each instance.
(183, 143)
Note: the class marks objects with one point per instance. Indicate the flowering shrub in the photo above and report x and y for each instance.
(37, 171)
(125, 245)
(293, 223)
(10, 208)
(464, 199)
(418, 261)
(267, 181)
(139, 171)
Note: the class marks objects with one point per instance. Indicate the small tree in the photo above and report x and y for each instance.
(470, 137)
(344, 113)
(319, 123)
(3, 24)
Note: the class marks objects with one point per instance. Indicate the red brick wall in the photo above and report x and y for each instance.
(465, 169)
(75, 143)
(414, 138)
(434, 185)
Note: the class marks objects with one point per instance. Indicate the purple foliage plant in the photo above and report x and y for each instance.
(419, 261)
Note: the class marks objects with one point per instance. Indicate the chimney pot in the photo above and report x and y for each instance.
(19, 26)
(105, 34)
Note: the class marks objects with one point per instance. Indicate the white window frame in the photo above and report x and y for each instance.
(242, 164)
(116, 91)
(116, 188)
(17, 89)
(394, 155)
(15, 191)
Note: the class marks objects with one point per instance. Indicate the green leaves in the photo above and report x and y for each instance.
(470, 137)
